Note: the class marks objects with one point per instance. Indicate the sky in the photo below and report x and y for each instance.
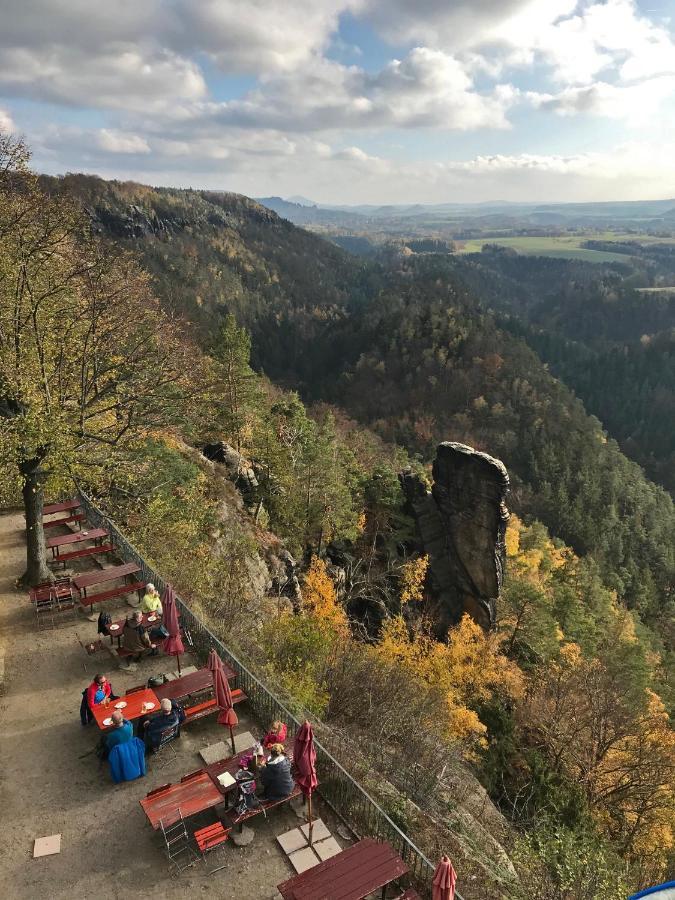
(350, 101)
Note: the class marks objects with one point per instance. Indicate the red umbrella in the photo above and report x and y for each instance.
(444, 881)
(173, 645)
(304, 760)
(223, 694)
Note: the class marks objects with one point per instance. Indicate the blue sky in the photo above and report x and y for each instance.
(350, 101)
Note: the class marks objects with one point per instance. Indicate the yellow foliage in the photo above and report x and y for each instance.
(468, 669)
(512, 539)
(319, 598)
(413, 575)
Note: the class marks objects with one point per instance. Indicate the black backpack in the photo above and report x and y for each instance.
(104, 622)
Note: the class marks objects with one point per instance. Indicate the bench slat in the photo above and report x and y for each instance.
(114, 592)
(234, 819)
(87, 551)
(78, 517)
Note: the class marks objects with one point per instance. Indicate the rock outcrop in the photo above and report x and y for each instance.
(461, 525)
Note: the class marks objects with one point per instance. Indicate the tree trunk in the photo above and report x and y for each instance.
(37, 570)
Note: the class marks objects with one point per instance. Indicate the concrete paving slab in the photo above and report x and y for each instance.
(325, 849)
(305, 859)
(319, 830)
(292, 840)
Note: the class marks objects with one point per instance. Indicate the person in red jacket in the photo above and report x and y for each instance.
(276, 734)
(99, 691)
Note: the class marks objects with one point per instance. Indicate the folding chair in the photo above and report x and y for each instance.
(179, 849)
(90, 649)
(165, 749)
(210, 838)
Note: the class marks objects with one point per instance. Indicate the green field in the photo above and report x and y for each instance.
(567, 247)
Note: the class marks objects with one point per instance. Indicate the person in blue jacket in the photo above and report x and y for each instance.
(121, 731)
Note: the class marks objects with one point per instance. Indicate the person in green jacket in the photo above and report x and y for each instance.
(151, 602)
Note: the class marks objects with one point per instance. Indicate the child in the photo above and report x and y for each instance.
(276, 734)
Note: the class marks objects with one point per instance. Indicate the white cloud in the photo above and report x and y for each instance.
(124, 76)
(6, 122)
(638, 104)
(427, 88)
(121, 142)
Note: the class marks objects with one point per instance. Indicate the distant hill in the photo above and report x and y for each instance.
(410, 351)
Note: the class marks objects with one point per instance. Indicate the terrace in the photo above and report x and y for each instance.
(53, 783)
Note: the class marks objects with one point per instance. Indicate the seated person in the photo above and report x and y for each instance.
(151, 602)
(99, 690)
(135, 638)
(276, 734)
(275, 776)
(170, 716)
(121, 731)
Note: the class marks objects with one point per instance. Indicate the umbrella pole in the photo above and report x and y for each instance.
(178, 661)
(232, 739)
(309, 816)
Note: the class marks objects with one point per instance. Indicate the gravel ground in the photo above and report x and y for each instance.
(108, 849)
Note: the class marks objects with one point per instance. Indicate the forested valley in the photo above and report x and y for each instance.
(328, 375)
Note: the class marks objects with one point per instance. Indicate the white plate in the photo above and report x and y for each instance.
(148, 706)
(152, 618)
(113, 627)
(120, 705)
(107, 721)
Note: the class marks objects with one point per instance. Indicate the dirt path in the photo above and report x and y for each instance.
(108, 849)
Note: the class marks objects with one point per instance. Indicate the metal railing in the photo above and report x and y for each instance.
(337, 787)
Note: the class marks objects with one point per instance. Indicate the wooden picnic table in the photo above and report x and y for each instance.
(115, 629)
(193, 795)
(351, 875)
(133, 710)
(102, 576)
(229, 765)
(63, 506)
(60, 540)
(193, 683)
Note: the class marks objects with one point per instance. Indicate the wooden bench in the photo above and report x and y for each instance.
(78, 517)
(234, 819)
(60, 506)
(120, 591)
(86, 551)
(192, 713)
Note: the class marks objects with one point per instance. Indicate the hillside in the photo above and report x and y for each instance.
(335, 564)
(412, 353)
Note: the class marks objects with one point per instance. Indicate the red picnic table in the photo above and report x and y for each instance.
(61, 540)
(229, 765)
(103, 576)
(63, 506)
(194, 683)
(351, 875)
(194, 794)
(136, 706)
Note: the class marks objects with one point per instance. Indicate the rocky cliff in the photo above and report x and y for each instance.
(462, 524)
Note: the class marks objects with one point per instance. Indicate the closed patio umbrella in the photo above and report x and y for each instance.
(173, 645)
(304, 760)
(444, 880)
(221, 688)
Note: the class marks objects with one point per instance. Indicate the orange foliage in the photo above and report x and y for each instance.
(319, 598)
